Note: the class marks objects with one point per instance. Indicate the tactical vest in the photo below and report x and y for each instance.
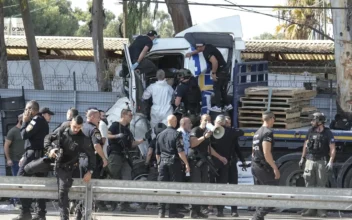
(193, 95)
(318, 144)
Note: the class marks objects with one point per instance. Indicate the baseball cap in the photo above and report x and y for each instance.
(152, 33)
(46, 110)
(200, 44)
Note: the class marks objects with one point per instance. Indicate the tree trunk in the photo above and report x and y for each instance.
(4, 77)
(103, 79)
(343, 56)
(180, 14)
(32, 45)
(125, 18)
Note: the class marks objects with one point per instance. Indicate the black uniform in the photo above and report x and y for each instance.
(93, 133)
(263, 173)
(224, 147)
(146, 66)
(33, 133)
(72, 145)
(190, 95)
(199, 168)
(168, 144)
(153, 170)
(220, 86)
(233, 172)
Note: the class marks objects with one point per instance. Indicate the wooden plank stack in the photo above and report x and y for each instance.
(291, 107)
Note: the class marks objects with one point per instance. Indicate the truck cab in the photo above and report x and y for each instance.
(169, 54)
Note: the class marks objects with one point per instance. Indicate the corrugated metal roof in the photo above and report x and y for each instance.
(252, 46)
(290, 46)
(65, 43)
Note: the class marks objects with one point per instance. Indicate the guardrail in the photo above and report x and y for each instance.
(180, 193)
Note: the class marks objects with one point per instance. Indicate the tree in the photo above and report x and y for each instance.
(32, 45)
(4, 78)
(269, 36)
(104, 83)
(343, 48)
(49, 17)
(180, 14)
(302, 19)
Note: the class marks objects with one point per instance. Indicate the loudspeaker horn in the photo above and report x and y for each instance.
(218, 131)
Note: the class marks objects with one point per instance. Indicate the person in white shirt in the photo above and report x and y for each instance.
(103, 128)
(161, 93)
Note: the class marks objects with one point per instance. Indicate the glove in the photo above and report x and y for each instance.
(121, 135)
(329, 166)
(302, 162)
(134, 66)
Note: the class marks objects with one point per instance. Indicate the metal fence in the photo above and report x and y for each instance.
(59, 102)
(180, 193)
(59, 74)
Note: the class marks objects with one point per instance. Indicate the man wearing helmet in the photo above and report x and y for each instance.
(188, 92)
(319, 145)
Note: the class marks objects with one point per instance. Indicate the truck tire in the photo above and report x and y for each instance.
(347, 181)
(291, 175)
(139, 170)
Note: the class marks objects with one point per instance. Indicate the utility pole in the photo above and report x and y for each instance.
(4, 77)
(103, 79)
(32, 45)
(343, 55)
(324, 19)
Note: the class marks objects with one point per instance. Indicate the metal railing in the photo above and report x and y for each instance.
(180, 193)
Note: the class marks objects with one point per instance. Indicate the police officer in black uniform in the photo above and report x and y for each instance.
(319, 145)
(224, 147)
(169, 153)
(264, 169)
(200, 150)
(33, 131)
(72, 141)
(189, 93)
(91, 131)
(137, 50)
(219, 73)
(233, 172)
(121, 142)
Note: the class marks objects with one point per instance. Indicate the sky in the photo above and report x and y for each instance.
(252, 24)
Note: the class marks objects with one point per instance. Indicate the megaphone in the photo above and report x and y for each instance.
(218, 131)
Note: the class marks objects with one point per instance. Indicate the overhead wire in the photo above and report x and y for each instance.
(285, 19)
(231, 5)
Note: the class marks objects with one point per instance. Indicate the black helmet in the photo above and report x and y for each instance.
(184, 73)
(319, 117)
(159, 128)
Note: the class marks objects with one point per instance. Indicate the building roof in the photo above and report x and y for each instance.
(290, 46)
(255, 49)
(65, 43)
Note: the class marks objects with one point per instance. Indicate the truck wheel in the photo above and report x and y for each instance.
(139, 170)
(291, 175)
(347, 182)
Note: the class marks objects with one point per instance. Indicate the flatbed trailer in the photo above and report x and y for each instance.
(288, 142)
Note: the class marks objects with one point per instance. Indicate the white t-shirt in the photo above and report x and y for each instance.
(103, 128)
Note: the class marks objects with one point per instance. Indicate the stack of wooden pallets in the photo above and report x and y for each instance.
(291, 107)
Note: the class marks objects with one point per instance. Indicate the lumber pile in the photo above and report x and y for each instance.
(291, 107)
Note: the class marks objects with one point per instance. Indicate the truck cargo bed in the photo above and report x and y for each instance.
(297, 134)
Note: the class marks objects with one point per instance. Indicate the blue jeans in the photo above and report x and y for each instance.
(15, 168)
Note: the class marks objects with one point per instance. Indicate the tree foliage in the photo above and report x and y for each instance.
(302, 19)
(269, 36)
(49, 17)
